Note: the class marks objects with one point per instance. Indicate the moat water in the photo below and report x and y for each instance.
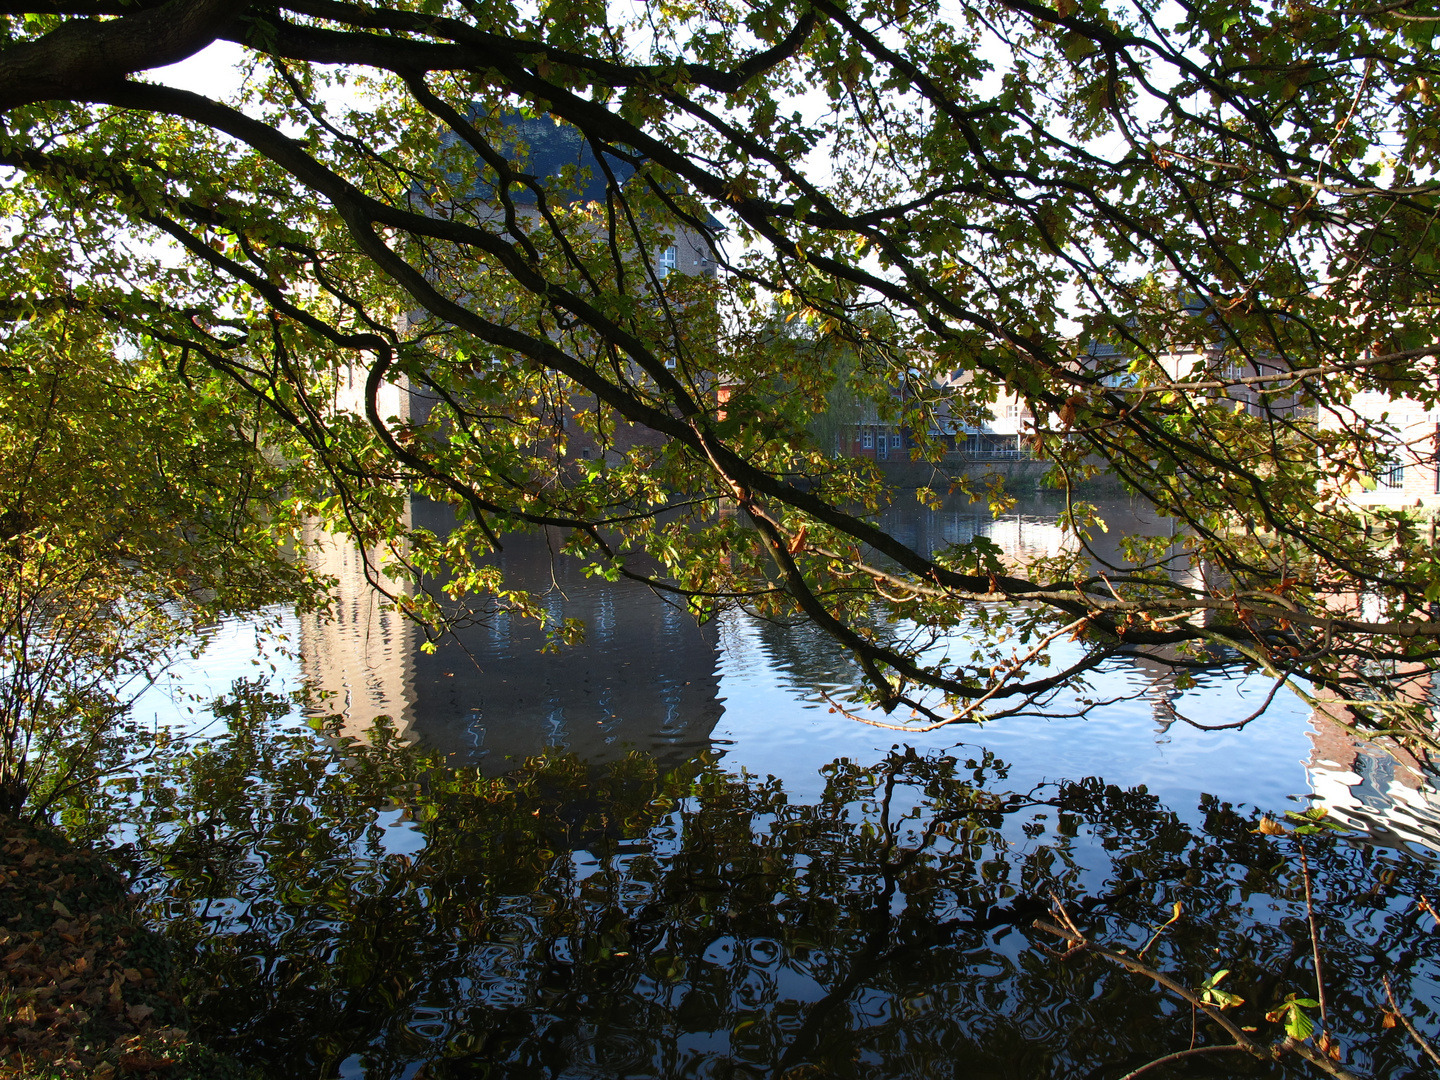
(662, 854)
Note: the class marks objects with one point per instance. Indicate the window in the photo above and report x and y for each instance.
(671, 363)
(1393, 476)
(867, 440)
(669, 260)
(1012, 412)
(897, 441)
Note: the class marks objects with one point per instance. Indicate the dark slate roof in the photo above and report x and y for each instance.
(543, 148)
(549, 146)
(1103, 350)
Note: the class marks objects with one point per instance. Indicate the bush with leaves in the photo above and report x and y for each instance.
(137, 506)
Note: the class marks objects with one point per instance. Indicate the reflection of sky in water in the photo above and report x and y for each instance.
(640, 950)
(725, 959)
(772, 726)
(260, 648)
(773, 720)
(775, 725)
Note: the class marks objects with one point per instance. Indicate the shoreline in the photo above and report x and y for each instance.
(86, 989)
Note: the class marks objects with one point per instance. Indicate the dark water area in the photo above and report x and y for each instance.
(660, 854)
(646, 675)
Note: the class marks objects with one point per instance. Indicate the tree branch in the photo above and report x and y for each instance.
(86, 53)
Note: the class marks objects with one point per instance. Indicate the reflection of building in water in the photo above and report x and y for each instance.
(1030, 538)
(1381, 789)
(1020, 536)
(645, 678)
(1033, 531)
(1158, 679)
(358, 657)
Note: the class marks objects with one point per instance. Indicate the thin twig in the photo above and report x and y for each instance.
(1395, 1011)
(1130, 963)
(1163, 927)
(1242, 1041)
(1314, 1057)
(1314, 937)
(1193, 1052)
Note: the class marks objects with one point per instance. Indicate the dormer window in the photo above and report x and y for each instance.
(669, 260)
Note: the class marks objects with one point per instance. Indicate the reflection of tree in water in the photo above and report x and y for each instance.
(812, 662)
(623, 921)
(806, 656)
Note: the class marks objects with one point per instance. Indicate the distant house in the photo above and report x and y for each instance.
(565, 163)
(551, 150)
(1411, 431)
(868, 436)
(1203, 356)
(865, 433)
(1002, 430)
(1001, 433)
(1407, 427)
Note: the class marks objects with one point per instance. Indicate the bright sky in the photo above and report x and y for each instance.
(214, 71)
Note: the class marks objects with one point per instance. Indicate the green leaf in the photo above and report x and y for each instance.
(1314, 820)
(1298, 1024)
(1291, 1013)
(1210, 993)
